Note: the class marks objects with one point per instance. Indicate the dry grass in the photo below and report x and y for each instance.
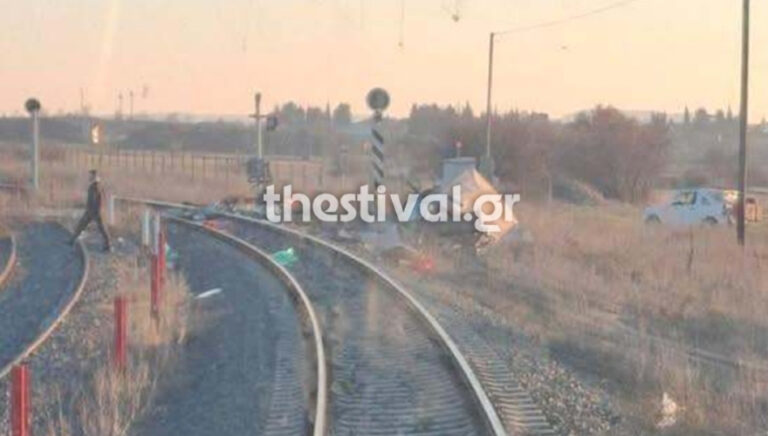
(109, 400)
(63, 181)
(604, 292)
(623, 301)
(113, 399)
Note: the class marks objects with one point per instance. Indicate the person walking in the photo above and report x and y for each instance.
(92, 212)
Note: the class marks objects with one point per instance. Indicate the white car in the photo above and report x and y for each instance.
(692, 206)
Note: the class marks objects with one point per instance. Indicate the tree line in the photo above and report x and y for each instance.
(616, 154)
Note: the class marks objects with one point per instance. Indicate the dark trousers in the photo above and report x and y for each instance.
(89, 216)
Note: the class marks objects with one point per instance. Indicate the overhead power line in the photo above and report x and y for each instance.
(552, 23)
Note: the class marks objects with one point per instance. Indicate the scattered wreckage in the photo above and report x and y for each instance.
(387, 240)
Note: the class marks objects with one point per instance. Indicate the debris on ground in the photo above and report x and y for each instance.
(211, 224)
(209, 293)
(381, 237)
(423, 264)
(171, 257)
(669, 411)
(285, 257)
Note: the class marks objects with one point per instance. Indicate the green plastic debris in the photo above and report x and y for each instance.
(285, 257)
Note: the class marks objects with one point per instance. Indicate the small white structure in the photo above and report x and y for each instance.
(473, 185)
(453, 167)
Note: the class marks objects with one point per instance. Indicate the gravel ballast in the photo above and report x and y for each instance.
(390, 374)
(61, 364)
(48, 271)
(227, 375)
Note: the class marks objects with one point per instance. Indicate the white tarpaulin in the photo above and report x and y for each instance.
(473, 185)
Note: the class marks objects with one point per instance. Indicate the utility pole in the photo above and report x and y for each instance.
(743, 124)
(487, 166)
(489, 101)
(130, 104)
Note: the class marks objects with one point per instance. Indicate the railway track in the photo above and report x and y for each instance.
(48, 278)
(394, 369)
(517, 409)
(257, 366)
(7, 254)
(391, 373)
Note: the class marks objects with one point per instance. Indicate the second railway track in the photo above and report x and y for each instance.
(7, 254)
(48, 277)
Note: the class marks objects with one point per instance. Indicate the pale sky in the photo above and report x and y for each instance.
(209, 56)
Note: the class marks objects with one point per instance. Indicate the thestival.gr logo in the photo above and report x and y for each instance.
(486, 211)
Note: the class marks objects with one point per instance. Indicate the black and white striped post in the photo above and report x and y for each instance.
(377, 158)
(378, 101)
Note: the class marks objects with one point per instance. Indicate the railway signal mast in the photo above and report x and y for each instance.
(258, 169)
(33, 107)
(378, 101)
(256, 115)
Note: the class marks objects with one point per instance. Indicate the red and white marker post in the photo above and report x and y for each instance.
(20, 400)
(157, 280)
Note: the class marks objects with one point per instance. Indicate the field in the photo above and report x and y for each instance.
(64, 178)
(645, 310)
(642, 310)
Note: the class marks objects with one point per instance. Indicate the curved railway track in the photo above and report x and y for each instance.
(394, 369)
(7, 254)
(49, 277)
(257, 366)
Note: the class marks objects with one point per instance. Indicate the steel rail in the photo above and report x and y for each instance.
(79, 289)
(10, 264)
(490, 415)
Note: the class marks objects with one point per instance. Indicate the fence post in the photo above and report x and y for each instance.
(121, 332)
(157, 269)
(161, 257)
(227, 169)
(111, 210)
(20, 401)
(145, 228)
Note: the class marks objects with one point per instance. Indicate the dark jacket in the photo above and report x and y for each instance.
(95, 197)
